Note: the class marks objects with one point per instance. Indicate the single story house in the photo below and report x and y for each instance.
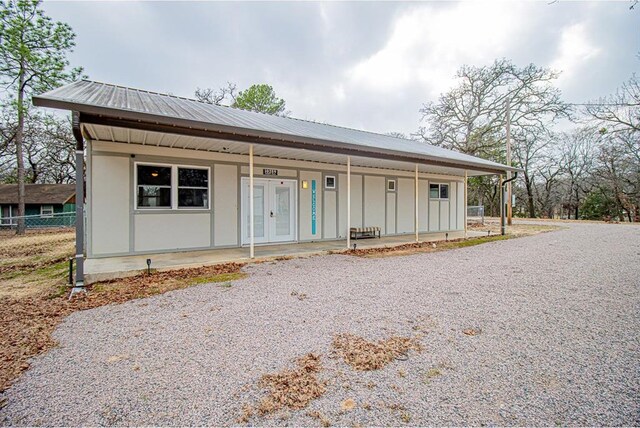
(44, 204)
(168, 174)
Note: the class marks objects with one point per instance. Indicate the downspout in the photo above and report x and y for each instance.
(77, 133)
(503, 226)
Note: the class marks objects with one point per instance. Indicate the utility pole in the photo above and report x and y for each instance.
(509, 197)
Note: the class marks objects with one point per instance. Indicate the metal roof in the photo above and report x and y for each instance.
(135, 107)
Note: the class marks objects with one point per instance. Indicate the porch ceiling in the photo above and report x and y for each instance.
(178, 141)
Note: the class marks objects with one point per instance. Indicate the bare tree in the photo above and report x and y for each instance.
(471, 117)
(578, 156)
(619, 112)
(223, 96)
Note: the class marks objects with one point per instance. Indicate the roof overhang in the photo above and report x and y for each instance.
(144, 121)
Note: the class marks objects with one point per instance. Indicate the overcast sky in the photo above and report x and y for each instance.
(362, 65)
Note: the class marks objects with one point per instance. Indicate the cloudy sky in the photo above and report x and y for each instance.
(362, 65)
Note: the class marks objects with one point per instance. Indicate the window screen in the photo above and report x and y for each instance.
(154, 186)
(193, 188)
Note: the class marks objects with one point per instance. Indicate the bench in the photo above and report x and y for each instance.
(364, 232)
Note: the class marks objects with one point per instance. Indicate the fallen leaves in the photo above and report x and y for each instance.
(293, 388)
(27, 322)
(362, 354)
(472, 331)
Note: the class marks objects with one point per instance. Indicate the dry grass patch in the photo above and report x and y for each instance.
(31, 262)
(515, 230)
(362, 354)
(293, 388)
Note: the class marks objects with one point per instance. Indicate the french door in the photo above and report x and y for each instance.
(274, 210)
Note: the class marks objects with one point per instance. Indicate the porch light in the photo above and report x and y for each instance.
(305, 184)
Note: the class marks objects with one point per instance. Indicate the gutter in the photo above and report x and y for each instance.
(503, 220)
(79, 257)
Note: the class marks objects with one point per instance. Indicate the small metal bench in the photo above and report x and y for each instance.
(364, 232)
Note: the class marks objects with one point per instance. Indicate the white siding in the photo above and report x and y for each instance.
(423, 205)
(391, 213)
(225, 205)
(374, 198)
(406, 207)
(329, 213)
(434, 216)
(453, 205)
(444, 215)
(177, 231)
(462, 206)
(110, 195)
(356, 201)
(342, 203)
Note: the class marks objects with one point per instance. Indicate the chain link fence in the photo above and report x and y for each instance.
(41, 221)
(475, 214)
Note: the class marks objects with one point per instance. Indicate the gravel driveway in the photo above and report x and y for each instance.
(559, 315)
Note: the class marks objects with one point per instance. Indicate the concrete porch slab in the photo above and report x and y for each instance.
(101, 269)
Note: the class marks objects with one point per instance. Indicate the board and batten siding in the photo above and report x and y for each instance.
(116, 228)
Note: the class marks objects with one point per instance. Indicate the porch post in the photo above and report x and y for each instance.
(503, 219)
(417, 215)
(465, 204)
(251, 238)
(348, 202)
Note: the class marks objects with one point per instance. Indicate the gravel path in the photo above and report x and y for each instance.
(559, 315)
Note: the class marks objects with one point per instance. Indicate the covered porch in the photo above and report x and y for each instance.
(116, 267)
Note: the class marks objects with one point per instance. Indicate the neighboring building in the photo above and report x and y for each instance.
(43, 205)
(168, 174)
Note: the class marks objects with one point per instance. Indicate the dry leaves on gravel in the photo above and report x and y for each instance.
(362, 354)
(293, 388)
(26, 323)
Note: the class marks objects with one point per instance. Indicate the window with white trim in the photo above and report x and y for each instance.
(438, 191)
(330, 182)
(154, 186)
(391, 185)
(171, 186)
(46, 211)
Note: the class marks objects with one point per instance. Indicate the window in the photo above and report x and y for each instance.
(391, 185)
(438, 191)
(46, 211)
(329, 182)
(171, 187)
(154, 186)
(193, 188)
(444, 191)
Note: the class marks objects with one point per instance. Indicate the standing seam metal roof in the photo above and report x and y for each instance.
(123, 102)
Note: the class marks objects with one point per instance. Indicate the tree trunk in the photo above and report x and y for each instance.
(577, 205)
(19, 153)
(532, 208)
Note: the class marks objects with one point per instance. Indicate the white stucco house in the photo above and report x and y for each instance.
(167, 174)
